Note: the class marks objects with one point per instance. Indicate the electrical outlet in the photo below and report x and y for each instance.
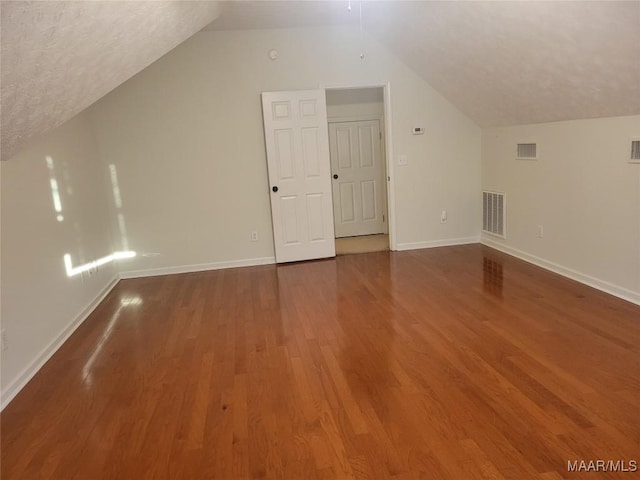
(540, 233)
(443, 216)
(402, 160)
(3, 340)
(254, 236)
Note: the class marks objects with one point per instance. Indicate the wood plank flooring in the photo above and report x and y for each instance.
(447, 363)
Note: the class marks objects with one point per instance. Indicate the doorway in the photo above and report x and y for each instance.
(355, 119)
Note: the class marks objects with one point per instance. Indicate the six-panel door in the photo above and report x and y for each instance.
(296, 136)
(359, 178)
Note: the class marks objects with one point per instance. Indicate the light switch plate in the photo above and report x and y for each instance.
(402, 160)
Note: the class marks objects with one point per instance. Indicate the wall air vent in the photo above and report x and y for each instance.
(494, 213)
(635, 151)
(527, 151)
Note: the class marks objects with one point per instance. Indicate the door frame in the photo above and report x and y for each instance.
(388, 151)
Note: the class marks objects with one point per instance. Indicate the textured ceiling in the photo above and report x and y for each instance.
(501, 63)
(508, 63)
(59, 57)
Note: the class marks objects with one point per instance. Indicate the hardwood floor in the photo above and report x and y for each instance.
(447, 363)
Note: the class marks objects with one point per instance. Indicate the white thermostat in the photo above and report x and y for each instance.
(418, 130)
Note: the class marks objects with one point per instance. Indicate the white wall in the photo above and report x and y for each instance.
(355, 102)
(582, 190)
(40, 304)
(186, 138)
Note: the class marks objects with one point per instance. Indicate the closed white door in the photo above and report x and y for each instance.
(358, 178)
(295, 128)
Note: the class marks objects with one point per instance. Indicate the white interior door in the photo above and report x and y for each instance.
(358, 178)
(295, 128)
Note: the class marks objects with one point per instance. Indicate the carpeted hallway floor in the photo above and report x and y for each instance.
(362, 244)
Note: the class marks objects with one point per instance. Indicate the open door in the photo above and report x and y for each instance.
(297, 142)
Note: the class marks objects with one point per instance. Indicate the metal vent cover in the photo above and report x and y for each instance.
(527, 151)
(494, 213)
(635, 151)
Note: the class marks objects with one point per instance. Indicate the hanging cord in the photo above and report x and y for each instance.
(361, 35)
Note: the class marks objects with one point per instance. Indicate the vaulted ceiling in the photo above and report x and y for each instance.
(519, 62)
(59, 57)
(501, 63)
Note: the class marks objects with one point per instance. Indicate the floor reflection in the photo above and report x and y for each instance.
(132, 301)
(334, 321)
(492, 277)
(367, 339)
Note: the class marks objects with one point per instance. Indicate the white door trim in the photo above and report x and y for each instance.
(388, 146)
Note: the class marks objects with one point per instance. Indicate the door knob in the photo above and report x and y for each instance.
(335, 176)
(275, 189)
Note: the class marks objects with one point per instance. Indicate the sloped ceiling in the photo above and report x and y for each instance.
(508, 63)
(59, 57)
(501, 63)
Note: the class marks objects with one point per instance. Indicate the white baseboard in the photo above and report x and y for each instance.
(30, 370)
(152, 272)
(610, 288)
(449, 242)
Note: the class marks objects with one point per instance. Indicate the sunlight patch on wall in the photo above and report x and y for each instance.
(55, 191)
(117, 200)
(72, 271)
